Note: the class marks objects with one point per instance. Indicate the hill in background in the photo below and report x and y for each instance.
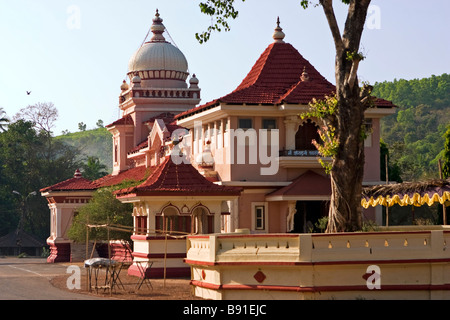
(414, 134)
(96, 142)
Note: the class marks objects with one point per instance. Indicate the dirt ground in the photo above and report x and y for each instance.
(160, 289)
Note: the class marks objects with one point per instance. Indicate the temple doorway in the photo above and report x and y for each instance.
(307, 215)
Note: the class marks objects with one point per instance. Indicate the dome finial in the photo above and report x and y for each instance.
(157, 28)
(278, 35)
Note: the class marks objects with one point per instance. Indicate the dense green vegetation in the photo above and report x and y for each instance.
(414, 135)
(29, 161)
(31, 158)
(103, 208)
(91, 143)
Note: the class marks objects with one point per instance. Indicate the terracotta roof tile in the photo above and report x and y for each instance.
(275, 78)
(137, 174)
(309, 183)
(126, 120)
(142, 145)
(275, 73)
(79, 183)
(167, 117)
(72, 184)
(178, 179)
(381, 103)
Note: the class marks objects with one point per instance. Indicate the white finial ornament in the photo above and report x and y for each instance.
(278, 35)
(157, 28)
(77, 174)
(305, 75)
(124, 86)
(193, 81)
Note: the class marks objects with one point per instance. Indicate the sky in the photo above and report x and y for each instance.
(75, 53)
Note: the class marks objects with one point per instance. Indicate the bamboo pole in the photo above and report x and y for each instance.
(87, 236)
(165, 255)
(387, 182)
(165, 259)
(88, 276)
(444, 209)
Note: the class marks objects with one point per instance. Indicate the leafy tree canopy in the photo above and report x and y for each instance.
(415, 133)
(102, 209)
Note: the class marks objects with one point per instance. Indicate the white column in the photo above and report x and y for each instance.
(58, 218)
(291, 124)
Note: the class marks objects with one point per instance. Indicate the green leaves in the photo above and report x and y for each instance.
(93, 169)
(325, 111)
(220, 11)
(415, 134)
(446, 154)
(30, 159)
(103, 208)
(354, 56)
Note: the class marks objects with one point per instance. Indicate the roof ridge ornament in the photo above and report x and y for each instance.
(305, 75)
(77, 174)
(278, 35)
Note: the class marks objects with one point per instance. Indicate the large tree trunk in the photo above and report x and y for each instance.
(347, 169)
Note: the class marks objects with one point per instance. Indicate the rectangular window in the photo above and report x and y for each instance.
(245, 123)
(141, 224)
(259, 218)
(368, 129)
(269, 124)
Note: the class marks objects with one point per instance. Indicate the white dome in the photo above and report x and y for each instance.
(157, 58)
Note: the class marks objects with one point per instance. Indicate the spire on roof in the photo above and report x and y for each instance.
(304, 76)
(157, 28)
(77, 174)
(278, 35)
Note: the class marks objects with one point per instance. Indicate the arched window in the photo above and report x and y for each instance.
(305, 134)
(170, 217)
(170, 220)
(202, 221)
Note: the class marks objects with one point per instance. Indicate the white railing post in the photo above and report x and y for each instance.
(305, 246)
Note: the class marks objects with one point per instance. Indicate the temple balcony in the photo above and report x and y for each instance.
(300, 159)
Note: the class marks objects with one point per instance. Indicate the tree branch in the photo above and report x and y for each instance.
(354, 24)
(353, 71)
(327, 6)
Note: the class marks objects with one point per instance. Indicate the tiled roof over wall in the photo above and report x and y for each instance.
(171, 178)
(280, 75)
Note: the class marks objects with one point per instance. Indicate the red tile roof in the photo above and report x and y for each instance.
(309, 183)
(167, 117)
(177, 179)
(72, 184)
(142, 145)
(275, 79)
(381, 103)
(136, 174)
(79, 183)
(126, 120)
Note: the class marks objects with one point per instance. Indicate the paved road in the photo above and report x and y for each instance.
(29, 279)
